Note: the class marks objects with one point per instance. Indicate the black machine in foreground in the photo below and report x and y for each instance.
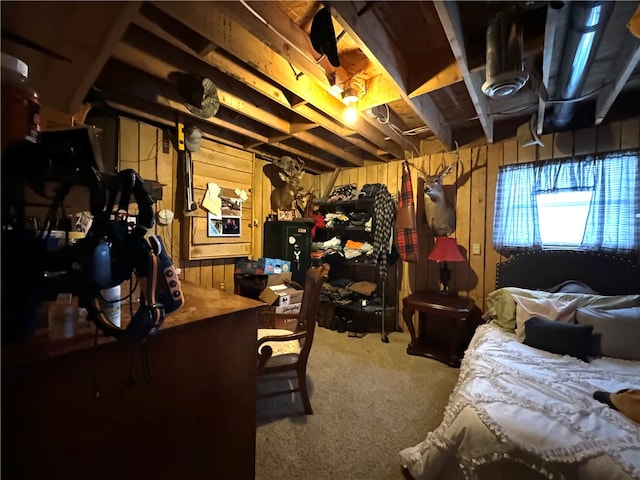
(112, 251)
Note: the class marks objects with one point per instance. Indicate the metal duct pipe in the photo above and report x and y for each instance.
(505, 71)
(588, 21)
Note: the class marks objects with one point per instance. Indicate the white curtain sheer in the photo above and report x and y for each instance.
(614, 214)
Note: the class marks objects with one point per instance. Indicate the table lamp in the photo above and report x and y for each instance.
(445, 250)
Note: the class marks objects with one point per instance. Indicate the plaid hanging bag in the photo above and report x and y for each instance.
(406, 232)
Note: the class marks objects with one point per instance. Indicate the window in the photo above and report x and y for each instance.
(586, 203)
(562, 218)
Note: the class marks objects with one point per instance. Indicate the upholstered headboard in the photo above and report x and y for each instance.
(606, 274)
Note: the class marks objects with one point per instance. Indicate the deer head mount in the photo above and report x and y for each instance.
(440, 215)
(286, 175)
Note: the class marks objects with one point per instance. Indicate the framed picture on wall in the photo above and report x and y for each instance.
(224, 213)
(223, 226)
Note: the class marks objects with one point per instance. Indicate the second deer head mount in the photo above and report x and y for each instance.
(286, 174)
(440, 215)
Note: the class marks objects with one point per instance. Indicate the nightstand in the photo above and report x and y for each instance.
(442, 327)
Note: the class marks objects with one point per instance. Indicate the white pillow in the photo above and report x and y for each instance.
(501, 308)
(559, 310)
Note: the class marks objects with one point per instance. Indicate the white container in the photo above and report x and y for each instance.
(110, 304)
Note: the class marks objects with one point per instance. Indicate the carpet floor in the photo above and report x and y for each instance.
(370, 400)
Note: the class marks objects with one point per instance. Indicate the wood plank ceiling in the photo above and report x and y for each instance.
(417, 67)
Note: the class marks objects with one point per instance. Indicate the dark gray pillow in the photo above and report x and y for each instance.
(619, 330)
(572, 286)
(557, 337)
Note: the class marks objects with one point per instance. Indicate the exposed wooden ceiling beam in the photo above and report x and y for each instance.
(450, 20)
(164, 115)
(228, 35)
(624, 64)
(159, 114)
(147, 21)
(163, 61)
(217, 59)
(123, 20)
(166, 94)
(80, 45)
(448, 76)
(368, 33)
(309, 137)
(279, 32)
(380, 91)
(150, 89)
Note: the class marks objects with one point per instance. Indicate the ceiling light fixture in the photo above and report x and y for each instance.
(350, 97)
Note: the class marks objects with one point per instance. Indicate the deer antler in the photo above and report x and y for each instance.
(421, 170)
(444, 169)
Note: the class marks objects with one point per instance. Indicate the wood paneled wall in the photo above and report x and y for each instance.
(472, 188)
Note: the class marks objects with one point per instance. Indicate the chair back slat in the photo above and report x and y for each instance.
(315, 277)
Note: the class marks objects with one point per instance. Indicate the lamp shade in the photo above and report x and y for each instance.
(446, 250)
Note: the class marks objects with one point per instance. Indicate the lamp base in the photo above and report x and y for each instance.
(445, 276)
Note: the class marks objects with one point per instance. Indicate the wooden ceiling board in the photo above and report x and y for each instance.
(275, 90)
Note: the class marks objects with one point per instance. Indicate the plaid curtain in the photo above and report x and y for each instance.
(613, 221)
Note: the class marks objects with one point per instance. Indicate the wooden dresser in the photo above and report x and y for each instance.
(195, 419)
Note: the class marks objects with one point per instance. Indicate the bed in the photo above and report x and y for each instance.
(523, 406)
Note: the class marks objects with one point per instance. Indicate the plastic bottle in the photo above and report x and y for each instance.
(20, 103)
(111, 304)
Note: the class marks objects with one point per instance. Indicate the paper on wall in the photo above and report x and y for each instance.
(212, 202)
(242, 195)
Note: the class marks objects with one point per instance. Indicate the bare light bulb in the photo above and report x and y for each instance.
(350, 115)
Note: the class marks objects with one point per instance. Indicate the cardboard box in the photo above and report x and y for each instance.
(278, 279)
(289, 309)
(280, 295)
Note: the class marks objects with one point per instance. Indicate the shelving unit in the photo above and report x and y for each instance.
(361, 270)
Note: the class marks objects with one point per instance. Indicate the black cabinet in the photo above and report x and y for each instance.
(289, 241)
(356, 223)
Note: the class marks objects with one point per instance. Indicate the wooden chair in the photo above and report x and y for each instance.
(286, 342)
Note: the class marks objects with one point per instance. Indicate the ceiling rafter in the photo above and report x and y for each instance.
(280, 33)
(217, 59)
(367, 31)
(274, 86)
(293, 43)
(144, 95)
(623, 66)
(450, 20)
(89, 75)
(152, 89)
(227, 34)
(139, 49)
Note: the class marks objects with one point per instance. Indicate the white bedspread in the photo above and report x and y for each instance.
(520, 412)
